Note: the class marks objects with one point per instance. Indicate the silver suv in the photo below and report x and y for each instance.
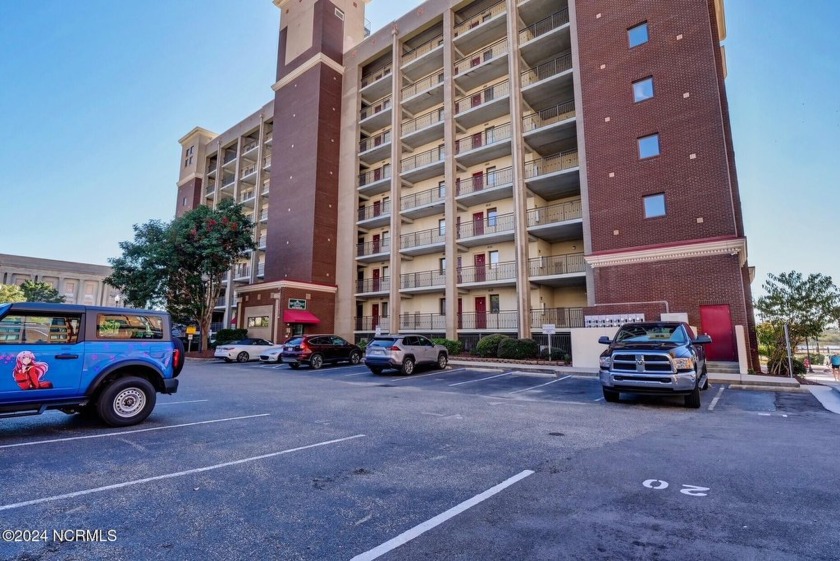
(403, 352)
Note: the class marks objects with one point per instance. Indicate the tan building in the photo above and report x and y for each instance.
(79, 283)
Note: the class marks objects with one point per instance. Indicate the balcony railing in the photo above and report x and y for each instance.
(211, 167)
(551, 164)
(560, 317)
(269, 136)
(373, 248)
(498, 133)
(374, 210)
(481, 17)
(505, 319)
(484, 96)
(228, 181)
(242, 272)
(421, 50)
(416, 320)
(248, 147)
(488, 273)
(264, 216)
(266, 161)
(547, 69)
(476, 183)
(556, 265)
(262, 242)
(372, 285)
(374, 141)
(369, 323)
(561, 212)
(422, 159)
(229, 157)
(374, 175)
(423, 279)
(423, 121)
(490, 225)
(482, 55)
(246, 196)
(422, 85)
(546, 117)
(543, 26)
(423, 198)
(421, 238)
(245, 171)
(376, 107)
(210, 189)
(376, 75)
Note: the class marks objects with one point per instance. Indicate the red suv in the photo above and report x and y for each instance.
(316, 350)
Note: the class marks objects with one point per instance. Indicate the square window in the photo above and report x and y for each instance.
(637, 35)
(648, 146)
(643, 89)
(654, 205)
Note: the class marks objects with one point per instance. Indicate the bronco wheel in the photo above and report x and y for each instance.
(407, 366)
(242, 357)
(355, 358)
(692, 400)
(442, 361)
(126, 401)
(611, 396)
(316, 362)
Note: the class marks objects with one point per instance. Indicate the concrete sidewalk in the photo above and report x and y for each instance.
(829, 392)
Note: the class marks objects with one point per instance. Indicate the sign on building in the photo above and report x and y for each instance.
(297, 304)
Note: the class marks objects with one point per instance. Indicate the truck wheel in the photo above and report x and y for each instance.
(611, 395)
(407, 366)
(126, 401)
(692, 400)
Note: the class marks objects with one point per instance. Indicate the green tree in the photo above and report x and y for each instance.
(806, 305)
(36, 291)
(181, 264)
(11, 293)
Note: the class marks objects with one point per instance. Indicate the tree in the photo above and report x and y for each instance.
(806, 305)
(11, 293)
(36, 291)
(181, 263)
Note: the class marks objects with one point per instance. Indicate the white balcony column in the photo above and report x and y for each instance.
(450, 208)
(395, 263)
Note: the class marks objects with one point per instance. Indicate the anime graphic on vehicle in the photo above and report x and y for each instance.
(29, 373)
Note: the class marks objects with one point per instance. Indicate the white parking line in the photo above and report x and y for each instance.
(125, 432)
(182, 402)
(539, 386)
(715, 400)
(420, 529)
(480, 379)
(413, 377)
(172, 475)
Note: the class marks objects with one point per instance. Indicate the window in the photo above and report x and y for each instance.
(490, 174)
(643, 89)
(492, 214)
(259, 321)
(494, 259)
(40, 329)
(654, 205)
(443, 306)
(384, 307)
(637, 35)
(339, 14)
(494, 304)
(648, 146)
(442, 189)
(185, 201)
(442, 227)
(128, 326)
(442, 265)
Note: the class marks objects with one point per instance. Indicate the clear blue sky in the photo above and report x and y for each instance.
(94, 95)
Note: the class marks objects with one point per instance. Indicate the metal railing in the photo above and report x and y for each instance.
(242, 272)
(549, 116)
(422, 159)
(375, 141)
(263, 216)
(416, 320)
(543, 26)
(552, 214)
(229, 157)
(560, 317)
(479, 18)
(245, 171)
(376, 75)
(551, 164)
(506, 319)
(556, 265)
(423, 198)
(423, 85)
(246, 195)
(486, 95)
(373, 248)
(228, 182)
(266, 161)
(489, 180)
(364, 286)
(422, 237)
(490, 225)
(482, 55)
(488, 273)
(369, 323)
(423, 279)
(211, 167)
(421, 50)
(374, 175)
(269, 136)
(377, 106)
(489, 136)
(210, 189)
(250, 146)
(547, 69)
(374, 210)
(262, 242)
(423, 121)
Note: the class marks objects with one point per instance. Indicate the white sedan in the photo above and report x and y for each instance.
(272, 355)
(242, 350)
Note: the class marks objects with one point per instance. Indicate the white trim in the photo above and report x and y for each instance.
(692, 251)
(311, 63)
(279, 285)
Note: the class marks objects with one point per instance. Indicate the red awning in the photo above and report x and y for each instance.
(299, 316)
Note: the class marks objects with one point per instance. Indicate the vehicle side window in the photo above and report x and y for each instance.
(425, 342)
(128, 326)
(410, 341)
(316, 341)
(339, 341)
(40, 329)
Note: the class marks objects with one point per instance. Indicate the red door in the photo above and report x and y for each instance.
(476, 140)
(460, 314)
(377, 208)
(360, 283)
(480, 275)
(475, 100)
(716, 322)
(377, 174)
(374, 320)
(478, 224)
(478, 179)
(375, 244)
(481, 312)
(376, 280)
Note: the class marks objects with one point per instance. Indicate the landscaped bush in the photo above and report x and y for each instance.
(228, 335)
(556, 354)
(362, 344)
(518, 348)
(454, 348)
(782, 367)
(488, 347)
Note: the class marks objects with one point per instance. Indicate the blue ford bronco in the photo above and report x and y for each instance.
(105, 362)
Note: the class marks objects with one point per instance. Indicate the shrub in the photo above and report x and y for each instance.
(228, 335)
(518, 348)
(362, 344)
(782, 367)
(556, 354)
(454, 348)
(488, 347)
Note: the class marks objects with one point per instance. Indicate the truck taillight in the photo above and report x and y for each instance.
(176, 357)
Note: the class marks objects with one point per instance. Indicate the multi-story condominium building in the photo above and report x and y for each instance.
(488, 166)
(79, 283)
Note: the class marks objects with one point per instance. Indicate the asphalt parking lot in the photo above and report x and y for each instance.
(252, 461)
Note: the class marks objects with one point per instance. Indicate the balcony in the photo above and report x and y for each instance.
(482, 66)
(484, 188)
(485, 146)
(476, 30)
(249, 149)
(228, 181)
(505, 320)
(547, 130)
(375, 181)
(424, 129)
(220, 303)
(261, 244)
(267, 162)
(376, 251)
(423, 94)
(210, 189)
(485, 231)
(424, 203)
(375, 216)
(424, 58)
(557, 222)
(422, 322)
(242, 273)
(554, 176)
(549, 82)
(248, 198)
(483, 106)
(376, 115)
(423, 242)
(248, 174)
(261, 270)
(550, 35)
(269, 136)
(373, 286)
(370, 323)
(377, 83)
(423, 282)
(424, 165)
(211, 168)
(375, 148)
(564, 318)
(230, 158)
(489, 275)
(264, 216)
(558, 270)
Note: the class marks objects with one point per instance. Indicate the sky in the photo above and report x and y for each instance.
(94, 95)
